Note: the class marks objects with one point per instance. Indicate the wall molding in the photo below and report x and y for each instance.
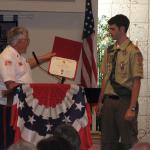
(46, 5)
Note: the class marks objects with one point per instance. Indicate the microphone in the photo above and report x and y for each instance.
(43, 69)
(36, 59)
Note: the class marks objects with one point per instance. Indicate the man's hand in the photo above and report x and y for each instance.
(130, 115)
(7, 94)
(98, 109)
(47, 56)
(4, 93)
(41, 59)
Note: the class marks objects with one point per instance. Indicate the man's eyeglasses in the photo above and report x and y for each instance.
(26, 39)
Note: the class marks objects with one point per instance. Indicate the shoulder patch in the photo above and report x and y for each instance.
(136, 48)
(133, 49)
(139, 57)
(8, 62)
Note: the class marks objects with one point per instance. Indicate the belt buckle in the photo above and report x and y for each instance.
(114, 97)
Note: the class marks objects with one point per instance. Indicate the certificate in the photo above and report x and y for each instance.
(63, 67)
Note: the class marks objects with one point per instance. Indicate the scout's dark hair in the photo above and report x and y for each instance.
(120, 20)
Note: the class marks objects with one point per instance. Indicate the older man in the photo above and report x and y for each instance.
(15, 69)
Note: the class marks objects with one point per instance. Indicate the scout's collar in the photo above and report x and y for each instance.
(123, 46)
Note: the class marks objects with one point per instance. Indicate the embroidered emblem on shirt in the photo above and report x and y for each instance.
(122, 65)
(139, 58)
(20, 63)
(8, 62)
(124, 52)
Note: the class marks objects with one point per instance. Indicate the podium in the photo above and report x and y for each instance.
(92, 94)
(40, 108)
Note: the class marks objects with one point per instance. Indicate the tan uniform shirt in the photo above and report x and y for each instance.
(129, 64)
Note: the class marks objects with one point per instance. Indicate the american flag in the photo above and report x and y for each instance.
(89, 67)
(42, 107)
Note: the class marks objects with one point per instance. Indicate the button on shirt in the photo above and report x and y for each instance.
(14, 67)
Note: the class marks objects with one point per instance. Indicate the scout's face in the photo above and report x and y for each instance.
(115, 31)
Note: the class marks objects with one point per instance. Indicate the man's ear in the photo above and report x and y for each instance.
(122, 29)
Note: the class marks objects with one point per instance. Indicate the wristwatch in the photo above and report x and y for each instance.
(133, 108)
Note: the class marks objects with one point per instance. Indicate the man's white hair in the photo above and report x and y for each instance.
(16, 33)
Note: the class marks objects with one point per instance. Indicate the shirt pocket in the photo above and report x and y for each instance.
(21, 69)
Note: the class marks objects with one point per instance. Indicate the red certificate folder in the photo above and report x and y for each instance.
(67, 48)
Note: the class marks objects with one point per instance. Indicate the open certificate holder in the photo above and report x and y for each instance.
(63, 67)
(67, 56)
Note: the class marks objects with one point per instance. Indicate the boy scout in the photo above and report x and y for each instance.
(122, 70)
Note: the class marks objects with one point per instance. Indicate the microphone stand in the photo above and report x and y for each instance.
(62, 80)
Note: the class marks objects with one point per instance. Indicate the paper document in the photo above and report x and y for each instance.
(63, 67)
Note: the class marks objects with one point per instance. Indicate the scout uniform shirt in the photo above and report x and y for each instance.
(14, 67)
(129, 64)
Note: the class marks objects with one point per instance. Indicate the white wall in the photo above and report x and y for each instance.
(44, 25)
(43, 5)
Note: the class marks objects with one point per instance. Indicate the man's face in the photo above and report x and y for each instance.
(114, 31)
(24, 42)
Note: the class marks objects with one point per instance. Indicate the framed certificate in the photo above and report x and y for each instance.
(63, 67)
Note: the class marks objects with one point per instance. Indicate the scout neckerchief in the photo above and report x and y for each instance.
(118, 88)
(114, 59)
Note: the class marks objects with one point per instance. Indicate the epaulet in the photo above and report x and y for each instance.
(132, 47)
(136, 48)
(110, 48)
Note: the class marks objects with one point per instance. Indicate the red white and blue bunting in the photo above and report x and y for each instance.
(42, 107)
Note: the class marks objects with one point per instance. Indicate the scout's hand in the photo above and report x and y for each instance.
(130, 115)
(98, 109)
